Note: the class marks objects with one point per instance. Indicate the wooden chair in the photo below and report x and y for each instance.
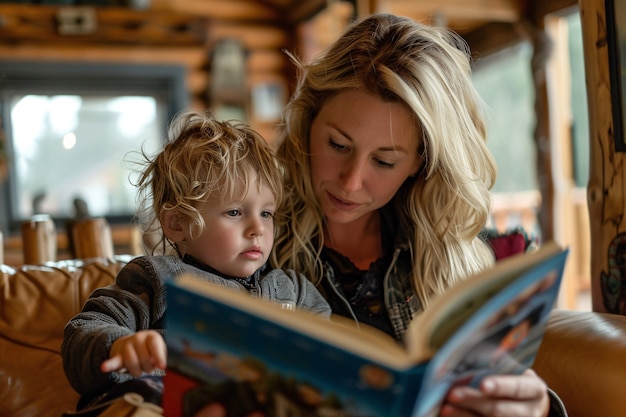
(89, 238)
(39, 240)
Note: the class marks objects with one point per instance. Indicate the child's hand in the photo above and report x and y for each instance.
(141, 352)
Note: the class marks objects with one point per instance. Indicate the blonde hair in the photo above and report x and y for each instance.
(204, 160)
(426, 69)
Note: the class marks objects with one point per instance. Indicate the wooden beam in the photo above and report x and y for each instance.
(365, 8)
(267, 61)
(301, 11)
(189, 56)
(492, 37)
(542, 133)
(542, 8)
(111, 25)
(238, 10)
(482, 10)
(253, 36)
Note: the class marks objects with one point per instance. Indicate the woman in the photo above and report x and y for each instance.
(384, 145)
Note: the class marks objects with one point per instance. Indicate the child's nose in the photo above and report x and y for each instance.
(256, 227)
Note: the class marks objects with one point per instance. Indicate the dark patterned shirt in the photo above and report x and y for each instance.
(362, 289)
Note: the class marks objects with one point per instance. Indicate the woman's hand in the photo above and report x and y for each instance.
(144, 351)
(524, 395)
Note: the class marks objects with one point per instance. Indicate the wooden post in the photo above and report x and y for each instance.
(607, 172)
(541, 134)
(1, 248)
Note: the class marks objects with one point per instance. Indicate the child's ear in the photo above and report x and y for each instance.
(174, 226)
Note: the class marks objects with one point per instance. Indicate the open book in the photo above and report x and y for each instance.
(231, 351)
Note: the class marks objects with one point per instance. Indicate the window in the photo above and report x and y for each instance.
(580, 114)
(504, 80)
(69, 129)
(505, 83)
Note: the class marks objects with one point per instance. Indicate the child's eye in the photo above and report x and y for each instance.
(267, 214)
(337, 146)
(233, 212)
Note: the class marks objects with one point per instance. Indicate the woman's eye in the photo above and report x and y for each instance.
(337, 146)
(383, 164)
(267, 214)
(233, 213)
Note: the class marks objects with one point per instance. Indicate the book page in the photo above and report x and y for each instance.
(230, 353)
(364, 341)
(450, 310)
(501, 337)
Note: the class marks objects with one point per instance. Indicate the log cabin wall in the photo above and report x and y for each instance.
(181, 32)
(185, 32)
(168, 32)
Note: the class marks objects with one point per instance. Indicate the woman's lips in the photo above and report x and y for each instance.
(342, 204)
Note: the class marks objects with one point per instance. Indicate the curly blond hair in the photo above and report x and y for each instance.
(204, 160)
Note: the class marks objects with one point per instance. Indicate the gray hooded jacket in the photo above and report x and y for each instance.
(137, 302)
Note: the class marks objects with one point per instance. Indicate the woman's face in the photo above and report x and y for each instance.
(361, 151)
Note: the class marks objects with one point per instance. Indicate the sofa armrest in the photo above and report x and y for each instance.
(35, 304)
(583, 359)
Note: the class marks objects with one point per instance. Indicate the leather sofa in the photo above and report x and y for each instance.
(35, 304)
(582, 357)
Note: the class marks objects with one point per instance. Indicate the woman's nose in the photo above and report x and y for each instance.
(353, 174)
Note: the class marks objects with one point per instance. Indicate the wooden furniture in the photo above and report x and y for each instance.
(89, 238)
(39, 240)
(35, 304)
(98, 240)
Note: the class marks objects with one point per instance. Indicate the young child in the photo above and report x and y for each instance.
(211, 193)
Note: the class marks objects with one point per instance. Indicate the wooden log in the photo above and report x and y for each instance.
(607, 172)
(541, 134)
(84, 24)
(492, 10)
(191, 57)
(197, 82)
(252, 36)
(240, 10)
(264, 61)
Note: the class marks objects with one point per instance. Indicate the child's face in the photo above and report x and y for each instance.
(238, 234)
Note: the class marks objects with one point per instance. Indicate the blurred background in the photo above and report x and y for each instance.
(84, 85)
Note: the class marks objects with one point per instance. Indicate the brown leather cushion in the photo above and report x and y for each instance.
(35, 304)
(583, 359)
